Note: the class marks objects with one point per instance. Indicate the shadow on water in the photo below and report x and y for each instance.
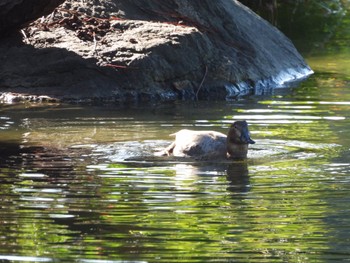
(41, 162)
(8, 149)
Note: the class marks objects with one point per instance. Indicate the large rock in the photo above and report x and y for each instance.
(149, 50)
(16, 13)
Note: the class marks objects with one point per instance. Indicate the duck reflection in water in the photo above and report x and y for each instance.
(238, 177)
(210, 145)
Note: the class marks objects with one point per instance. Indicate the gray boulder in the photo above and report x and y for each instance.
(148, 50)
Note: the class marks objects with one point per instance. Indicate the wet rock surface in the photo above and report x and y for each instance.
(119, 51)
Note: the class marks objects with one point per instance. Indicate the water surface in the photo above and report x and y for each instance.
(71, 192)
(79, 184)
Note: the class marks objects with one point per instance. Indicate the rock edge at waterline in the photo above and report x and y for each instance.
(120, 51)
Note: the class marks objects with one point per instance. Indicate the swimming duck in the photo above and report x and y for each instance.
(211, 144)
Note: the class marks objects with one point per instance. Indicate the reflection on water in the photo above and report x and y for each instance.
(81, 184)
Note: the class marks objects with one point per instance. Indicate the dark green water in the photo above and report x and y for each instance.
(68, 195)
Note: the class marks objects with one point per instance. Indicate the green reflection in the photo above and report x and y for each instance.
(284, 204)
(313, 25)
(271, 208)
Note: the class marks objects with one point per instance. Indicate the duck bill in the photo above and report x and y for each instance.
(245, 137)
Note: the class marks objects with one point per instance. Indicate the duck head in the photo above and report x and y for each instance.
(239, 133)
(238, 139)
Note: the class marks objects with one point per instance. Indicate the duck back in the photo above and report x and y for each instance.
(200, 144)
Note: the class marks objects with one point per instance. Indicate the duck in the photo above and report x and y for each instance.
(211, 145)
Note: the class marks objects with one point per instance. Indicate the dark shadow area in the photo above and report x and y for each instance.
(309, 23)
(238, 177)
(54, 163)
(17, 13)
(53, 72)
